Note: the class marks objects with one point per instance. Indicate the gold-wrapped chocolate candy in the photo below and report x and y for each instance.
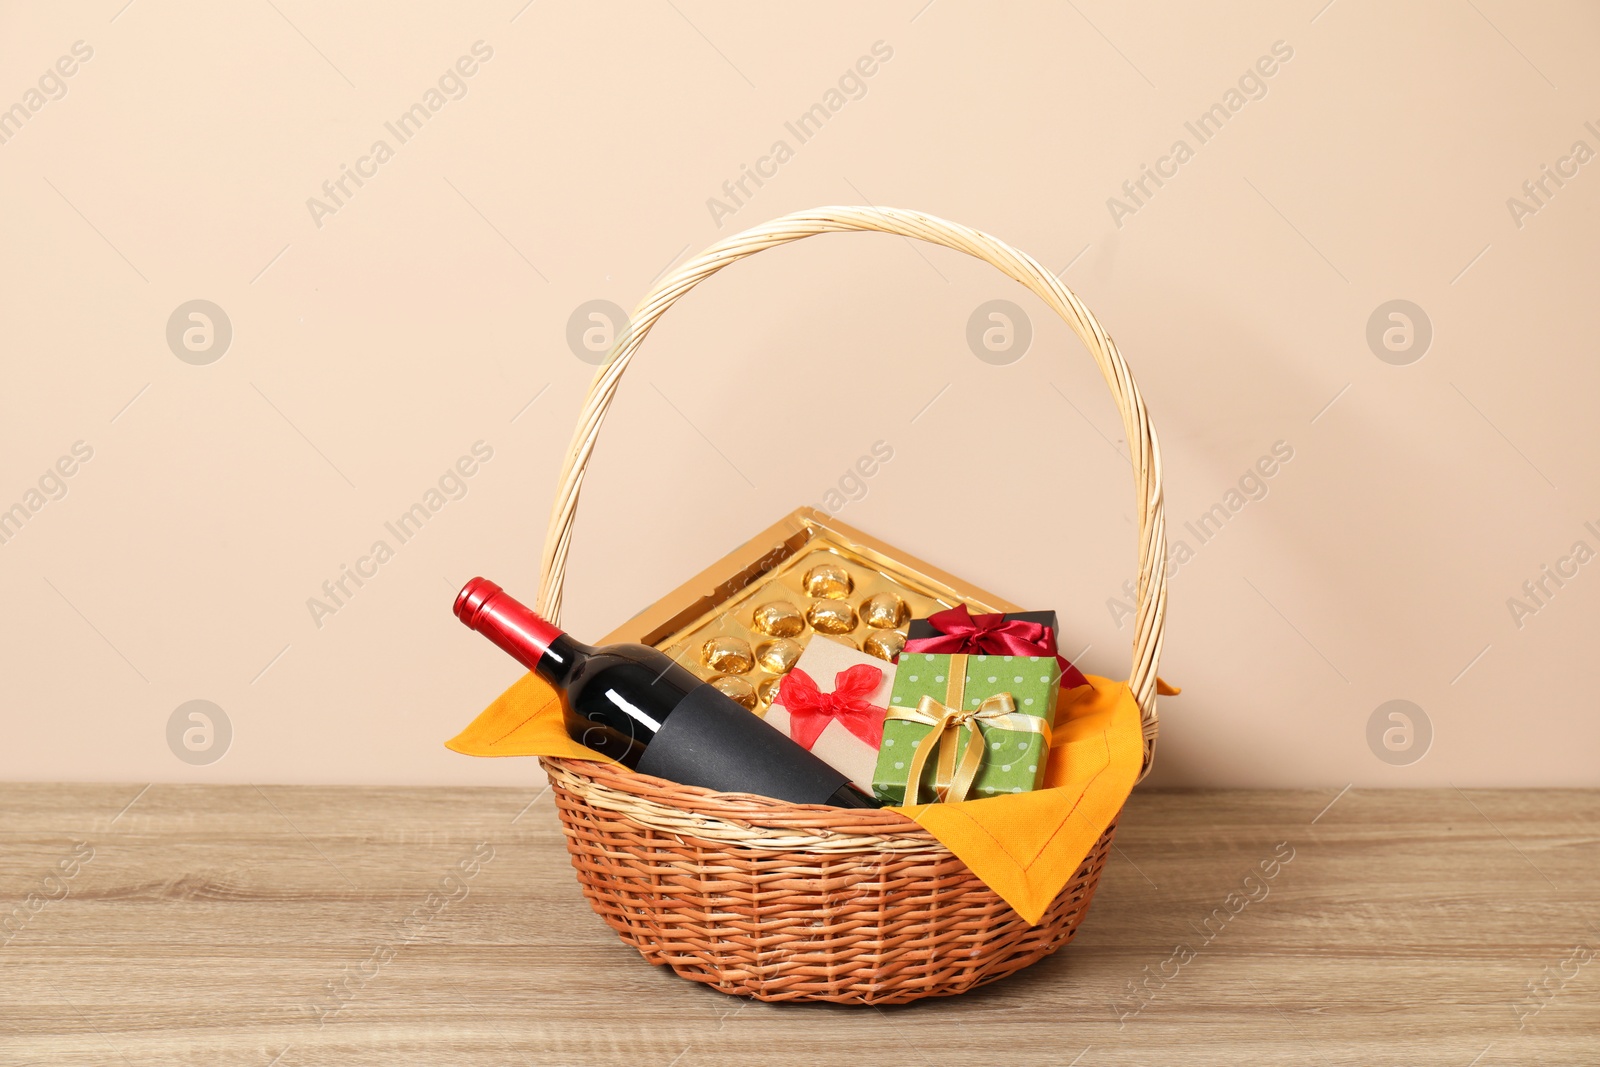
(729, 655)
(777, 657)
(737, 688)
(829, 580)
(762, 592)
(884, 611)
(779, 619)
(885, 644)
(831, 617)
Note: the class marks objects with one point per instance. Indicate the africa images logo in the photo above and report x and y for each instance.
(451, 85)
(1251, 85)
(851, 85)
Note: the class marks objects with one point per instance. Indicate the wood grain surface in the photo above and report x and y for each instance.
(294, 925)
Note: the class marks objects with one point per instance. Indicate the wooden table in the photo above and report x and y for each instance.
(292, 926)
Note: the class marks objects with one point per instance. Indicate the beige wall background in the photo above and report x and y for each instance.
(1370, 153)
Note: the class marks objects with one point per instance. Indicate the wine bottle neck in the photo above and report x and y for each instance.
(536, 644)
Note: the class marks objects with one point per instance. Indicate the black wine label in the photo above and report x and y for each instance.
(711, 741)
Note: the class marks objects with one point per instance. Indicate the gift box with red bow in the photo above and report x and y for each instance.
(833, 702)
(1018, 633)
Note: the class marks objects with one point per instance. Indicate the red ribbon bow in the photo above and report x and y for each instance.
(994, 635)
(810, 709)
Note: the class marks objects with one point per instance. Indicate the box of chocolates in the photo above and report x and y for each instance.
(743, 622)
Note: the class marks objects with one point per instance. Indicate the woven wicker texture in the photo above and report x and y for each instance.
(788, 902)
(881, 917)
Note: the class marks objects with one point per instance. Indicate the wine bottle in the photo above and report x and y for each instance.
(637, 705)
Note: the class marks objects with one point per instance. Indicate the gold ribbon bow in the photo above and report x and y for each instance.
(953, 783)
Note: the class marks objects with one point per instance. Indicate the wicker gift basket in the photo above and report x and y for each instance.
(776, 901)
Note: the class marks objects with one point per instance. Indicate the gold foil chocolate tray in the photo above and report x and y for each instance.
(807, 573)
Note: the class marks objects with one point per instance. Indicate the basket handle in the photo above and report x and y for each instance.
(1151, 608)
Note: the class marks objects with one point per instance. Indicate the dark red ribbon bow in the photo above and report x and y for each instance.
(960, 631)
(810, 709)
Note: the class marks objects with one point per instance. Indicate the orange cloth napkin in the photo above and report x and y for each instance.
(1024, 846)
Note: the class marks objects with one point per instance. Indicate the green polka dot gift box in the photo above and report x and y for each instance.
(938, 700)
